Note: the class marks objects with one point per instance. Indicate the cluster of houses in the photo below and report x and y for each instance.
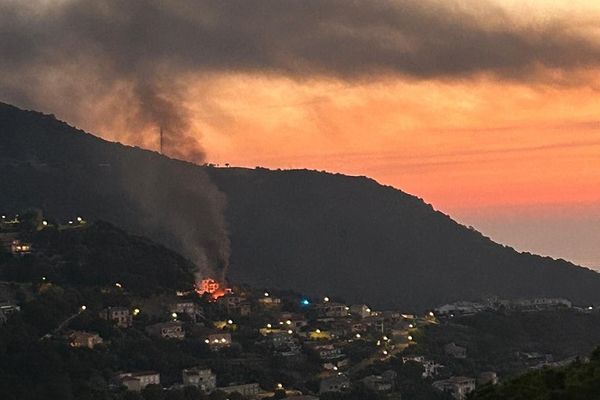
(463, 308)
(323, 332)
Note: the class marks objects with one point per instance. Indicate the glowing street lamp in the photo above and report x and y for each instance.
(230, 322)
(358, 335)
(136, 311)
(410, 338)
(174, 315)
(326, 299)
(266, 294)
(83, 308)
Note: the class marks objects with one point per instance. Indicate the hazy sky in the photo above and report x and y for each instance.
(489, 110)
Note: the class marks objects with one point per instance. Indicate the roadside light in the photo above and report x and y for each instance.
(79, 219)
(347, 308)
(269, 326)
(280, 322)
(386, 338)
(368, 310)
(206, 341)
(305, 302)
(45, 223)
(335, 368)
(290, 331)
(410, 337)
(174, 315)
(385, 352)
(590, 308)
(318, 331)
(288, 322)
(83, 308)
(70, 222)
(136, 311)
(118, 285)
(279, 386)
(223, 340)
(266, 294)
(229, 321)
(326, 299)
(379, 343)
(431, 314)
(43, 278)
(411, 326)
(358, 335)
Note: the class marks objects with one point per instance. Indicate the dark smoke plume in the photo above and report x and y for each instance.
(87, 60)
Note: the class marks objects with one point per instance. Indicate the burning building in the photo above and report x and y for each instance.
(212, 287)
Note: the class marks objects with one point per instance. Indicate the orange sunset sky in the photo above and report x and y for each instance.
(513, 150)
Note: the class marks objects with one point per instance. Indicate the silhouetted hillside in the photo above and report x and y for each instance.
(98, 254)
(313, 232)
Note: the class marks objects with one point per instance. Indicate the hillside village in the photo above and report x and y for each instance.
(208, 339)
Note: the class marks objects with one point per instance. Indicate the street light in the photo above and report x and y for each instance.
(83, 308)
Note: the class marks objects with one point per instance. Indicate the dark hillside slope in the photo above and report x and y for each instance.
(309, 231)
(49, 165)
(352, 237)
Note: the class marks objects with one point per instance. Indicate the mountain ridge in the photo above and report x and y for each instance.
(314, 232)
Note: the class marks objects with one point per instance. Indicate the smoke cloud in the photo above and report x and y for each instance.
(125, 66)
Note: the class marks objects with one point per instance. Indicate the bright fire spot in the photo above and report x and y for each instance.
(211, 287)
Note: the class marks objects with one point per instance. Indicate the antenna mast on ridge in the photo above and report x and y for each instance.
(161, 140)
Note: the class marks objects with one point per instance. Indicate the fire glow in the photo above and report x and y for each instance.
(212, 287)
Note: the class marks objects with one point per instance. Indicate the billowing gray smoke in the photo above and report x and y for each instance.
(84, 60)
(181, 207)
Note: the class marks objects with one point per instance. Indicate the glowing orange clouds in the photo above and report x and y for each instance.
(461, 144)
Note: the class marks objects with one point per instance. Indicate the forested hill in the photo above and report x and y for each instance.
(97, 254)
(352, 237)
(314, 232)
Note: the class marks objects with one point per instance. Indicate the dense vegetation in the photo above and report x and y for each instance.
(499, 342)
(100, 255)
(289, 229)
(578, 381)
